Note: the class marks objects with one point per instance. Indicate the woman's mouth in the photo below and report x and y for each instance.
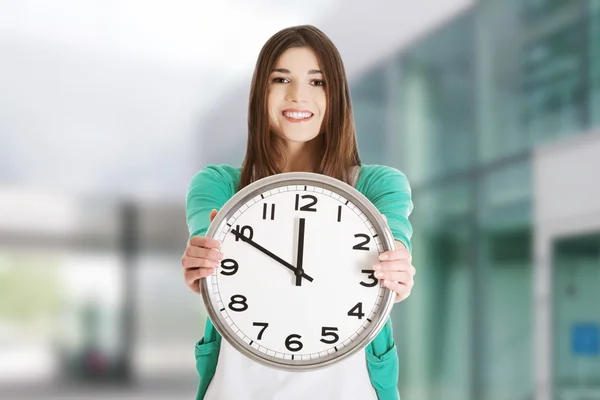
(297, 116)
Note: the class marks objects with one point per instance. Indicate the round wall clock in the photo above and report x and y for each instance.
(296, 289)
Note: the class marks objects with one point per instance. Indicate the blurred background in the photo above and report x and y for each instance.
(490, 107)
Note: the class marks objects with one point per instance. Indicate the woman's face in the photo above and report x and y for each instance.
(296, 96)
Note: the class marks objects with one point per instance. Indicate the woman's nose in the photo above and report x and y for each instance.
(296, 93)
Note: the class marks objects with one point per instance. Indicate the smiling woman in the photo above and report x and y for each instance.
(300, 120)
(300, 71)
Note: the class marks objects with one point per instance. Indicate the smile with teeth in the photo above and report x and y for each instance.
(297, 115)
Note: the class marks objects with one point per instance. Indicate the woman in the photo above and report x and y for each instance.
(300, 119)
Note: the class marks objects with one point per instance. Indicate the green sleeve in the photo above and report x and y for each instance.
(209, 189)
(389, 190)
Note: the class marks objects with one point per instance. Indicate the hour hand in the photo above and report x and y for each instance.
(281, 261)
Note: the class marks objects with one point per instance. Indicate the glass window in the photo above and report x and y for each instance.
(435, 105)
(432, 329)
(506, 197)
(505, 226)
(369, 97)
(553, 92)
(507, 316)
(497, 62)
(444, 204)
(532, 63)
(538, 9)
(594, 49)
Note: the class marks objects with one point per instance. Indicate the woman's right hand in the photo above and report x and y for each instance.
(200, 258)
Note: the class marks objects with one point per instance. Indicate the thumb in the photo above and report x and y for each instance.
(213, 214)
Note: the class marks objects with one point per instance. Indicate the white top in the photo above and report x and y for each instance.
(239, 378)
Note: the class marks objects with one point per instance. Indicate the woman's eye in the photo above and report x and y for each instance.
(280, 80)
(318, 83)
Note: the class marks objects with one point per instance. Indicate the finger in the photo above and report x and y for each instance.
(207, 242)
(398, 254)
(396, 265)
(197, 273)
(194, 286)
(202, 252)
(399, 276)
(193, 276)
(195, 262)
(402, 291)
(213, 214)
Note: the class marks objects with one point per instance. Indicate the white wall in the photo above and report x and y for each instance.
(567, 182)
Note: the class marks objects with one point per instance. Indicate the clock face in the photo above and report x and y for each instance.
(297, 285)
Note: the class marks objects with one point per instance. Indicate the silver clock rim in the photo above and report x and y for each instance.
(299, 178)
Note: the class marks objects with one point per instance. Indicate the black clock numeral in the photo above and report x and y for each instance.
(371, 276)
(289, 342)
(361, 245)
(309, 206)
(329, 331)
(339, 219)
(238, 303)
(265, 211)
(229, 267)
(242, 232)
(356, 311)
(264, 326)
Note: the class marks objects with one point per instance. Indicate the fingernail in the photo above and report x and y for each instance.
(378, 274)
(386, 282)
(376, 267)
(383, 256)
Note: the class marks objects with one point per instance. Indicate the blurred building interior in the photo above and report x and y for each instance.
(490, 107)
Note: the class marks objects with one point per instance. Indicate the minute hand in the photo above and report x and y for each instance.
(267, 252)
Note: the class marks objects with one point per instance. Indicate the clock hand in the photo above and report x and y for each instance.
(299, 270)
(267, 252)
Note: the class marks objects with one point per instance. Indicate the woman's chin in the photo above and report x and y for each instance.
(300, 138)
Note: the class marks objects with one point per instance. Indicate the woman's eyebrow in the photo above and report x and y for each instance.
(287, 71)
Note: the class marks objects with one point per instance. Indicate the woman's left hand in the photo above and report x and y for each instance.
(396, 269)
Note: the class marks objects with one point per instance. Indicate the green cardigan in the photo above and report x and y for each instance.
(387, 188)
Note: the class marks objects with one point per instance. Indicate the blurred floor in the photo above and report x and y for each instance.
(152, 388)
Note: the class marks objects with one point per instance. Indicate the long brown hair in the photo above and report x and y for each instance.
(264, 150)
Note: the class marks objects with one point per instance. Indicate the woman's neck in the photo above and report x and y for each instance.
(302, 157)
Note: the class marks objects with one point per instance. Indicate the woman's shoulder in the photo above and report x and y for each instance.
(381, 175)
(221, 169)
(216, 174)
